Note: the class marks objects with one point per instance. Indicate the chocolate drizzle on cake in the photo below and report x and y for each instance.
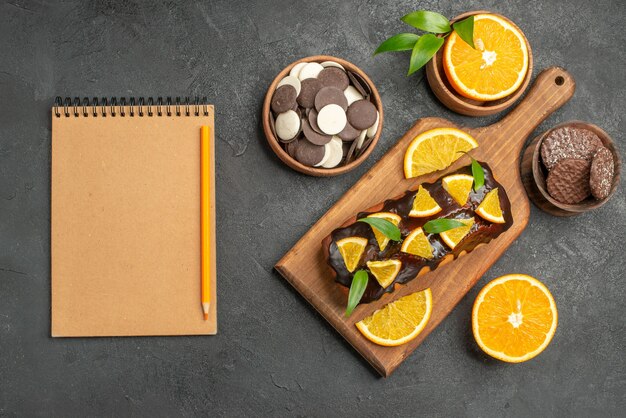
(481, 232)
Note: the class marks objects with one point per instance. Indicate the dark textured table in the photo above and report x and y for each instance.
(274, 356)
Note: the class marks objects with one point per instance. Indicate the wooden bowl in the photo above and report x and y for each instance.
(296, 165)
(534, 174)
(444, 91)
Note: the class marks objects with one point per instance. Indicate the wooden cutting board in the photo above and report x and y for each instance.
(500, 145)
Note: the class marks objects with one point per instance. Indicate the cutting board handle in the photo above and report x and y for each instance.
(552, 88)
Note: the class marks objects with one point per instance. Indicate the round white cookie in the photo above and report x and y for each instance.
(310, 70)
(327, 152)
(331, 119)
(371, 131)
(295, 71)
(352, 94)
(287, 125)
(335, 150)
(361, 139)
(332, 64)
(292, 81)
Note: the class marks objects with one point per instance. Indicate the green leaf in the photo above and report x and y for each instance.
(465, 29)
(425, 48)
(477, 172)
(436, 226)
(479, 175)
(399, 42)
(387, 228)
(357, 288)
(428, 21)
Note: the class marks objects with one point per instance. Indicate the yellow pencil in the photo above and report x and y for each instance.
(205, 193)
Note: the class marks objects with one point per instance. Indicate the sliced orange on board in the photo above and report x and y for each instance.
(458, 186)
(384, 271)
(435, 150)
(423, 204)
(452, 237)
(498, 65)
(514, 318)
(381, 238)
(417, 243)
(398, 322)
(351, 249)
(490, 209)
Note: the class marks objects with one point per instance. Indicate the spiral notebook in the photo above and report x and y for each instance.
(125, 218)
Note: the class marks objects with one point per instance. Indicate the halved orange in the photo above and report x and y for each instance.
(381, 238)
(351, 249)
(498, 65)
(490, 209)
(384, 271)
(514, 318)
(400, 321)
(435, 150)
(417, 243)
(458, 186)
(423, 204)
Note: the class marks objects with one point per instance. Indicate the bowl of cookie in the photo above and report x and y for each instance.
(322, 116)
(571, 169)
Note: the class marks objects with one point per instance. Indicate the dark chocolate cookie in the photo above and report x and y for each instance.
(349, 133)
(568, 181)
(601, 174)
(309, 89)
(284, 99)
(314, 137)
(334, 77)
(362, 114)
(330, 95)
(308, 153)
(568, 143)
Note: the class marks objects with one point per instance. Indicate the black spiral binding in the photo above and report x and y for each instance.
(142, 107)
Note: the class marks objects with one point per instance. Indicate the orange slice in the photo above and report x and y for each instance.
(398, 322)
(458, 186)
(417, 243)
(381, 238)
(423, 204)
(490, 209)
(498, 65)
(452, 237)
(351, 249)
(514, 318)
(384, 271)
(435, 150)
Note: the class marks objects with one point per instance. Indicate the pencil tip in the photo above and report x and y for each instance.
(206, 316)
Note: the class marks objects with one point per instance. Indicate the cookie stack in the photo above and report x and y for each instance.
(578, 164)
(323, 115)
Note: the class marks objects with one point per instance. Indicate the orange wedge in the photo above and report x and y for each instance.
(423, 204)
(490, 209)
(514, 318)
(498, 65)
(381, 238)
(351, 249)
(452, 237)
(435, 150)
(384, 271)
(417, 243)
(398, 322)
(458, 186)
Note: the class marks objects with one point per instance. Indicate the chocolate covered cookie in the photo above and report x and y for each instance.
(568, 143)
(284, 99)
(568, 181)
(601, 173)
